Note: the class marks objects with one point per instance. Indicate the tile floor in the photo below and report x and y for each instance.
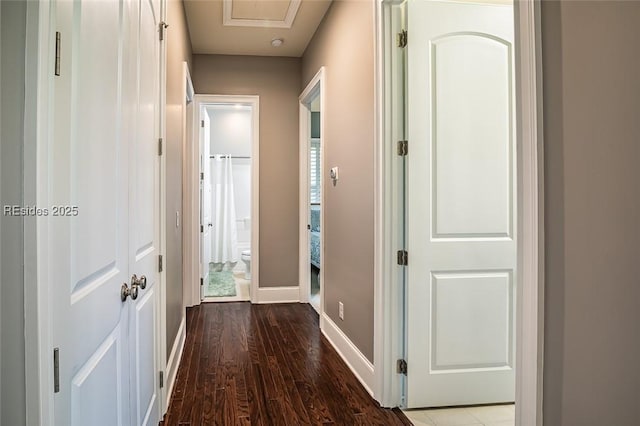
(489, 415)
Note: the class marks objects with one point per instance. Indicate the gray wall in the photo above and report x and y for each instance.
(277, 81)
(178, 51)
(592, 212)
(344, 45)
(12, 86)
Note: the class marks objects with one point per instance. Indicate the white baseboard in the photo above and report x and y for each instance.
(278, 295)
(174, 360)
(357, 362)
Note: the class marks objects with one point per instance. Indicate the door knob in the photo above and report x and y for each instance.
(125, 292)
(138, 282)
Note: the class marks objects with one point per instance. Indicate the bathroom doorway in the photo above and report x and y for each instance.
(228, 127)
(311, 178)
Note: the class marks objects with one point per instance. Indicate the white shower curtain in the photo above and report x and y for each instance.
(224, 254)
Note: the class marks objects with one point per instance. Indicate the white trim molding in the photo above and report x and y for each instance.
(361, 367)
(316, 87)
(171, 370)
(530, 292)
(388, 283)
(287, 22)
(190, 195)
(277, 295)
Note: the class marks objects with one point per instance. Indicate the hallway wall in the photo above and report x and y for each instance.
(277, 81)
(343, 44)
(12, 86)
(592, 212)
(178, 50)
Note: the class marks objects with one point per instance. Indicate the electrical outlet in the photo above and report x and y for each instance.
(341, 310)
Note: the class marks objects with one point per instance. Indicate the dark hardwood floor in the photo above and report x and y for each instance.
(249, 364)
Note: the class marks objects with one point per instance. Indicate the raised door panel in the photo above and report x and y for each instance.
(471, 140)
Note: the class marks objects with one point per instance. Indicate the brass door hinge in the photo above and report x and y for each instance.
(163, 27)
(58, 47)
(403, 258)
(401, 38)
(403, 148)
(401, 367)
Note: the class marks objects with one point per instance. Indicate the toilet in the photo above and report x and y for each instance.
(246, 258)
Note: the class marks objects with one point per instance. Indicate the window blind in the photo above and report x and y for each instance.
(314, 169)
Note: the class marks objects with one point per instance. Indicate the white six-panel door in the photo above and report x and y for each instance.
(461, 209)
(104, 161)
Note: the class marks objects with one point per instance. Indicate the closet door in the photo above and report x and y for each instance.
(461, 205)
(87, 244)
(104, 165)
(144, 219)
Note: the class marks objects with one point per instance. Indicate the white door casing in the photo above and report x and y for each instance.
(461, 208)
(205, 198)
(103, 160)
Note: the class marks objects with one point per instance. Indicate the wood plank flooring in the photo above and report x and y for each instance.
(266, 365)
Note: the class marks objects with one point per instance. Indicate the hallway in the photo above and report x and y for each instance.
(266, 365)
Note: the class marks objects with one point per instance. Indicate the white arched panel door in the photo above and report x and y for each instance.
(461, 204)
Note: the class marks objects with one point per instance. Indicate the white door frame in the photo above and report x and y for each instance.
(190, 198)
(38, 97)
(161, 337)
(194, 170)
(316, 87)
(530, 298)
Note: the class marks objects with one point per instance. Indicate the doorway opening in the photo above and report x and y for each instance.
(311, 193)
(228, 198)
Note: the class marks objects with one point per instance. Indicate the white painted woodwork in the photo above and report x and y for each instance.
(103, 159)
(144, 195)
(461, 204)
(206, 198)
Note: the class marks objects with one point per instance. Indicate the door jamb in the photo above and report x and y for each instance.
(254, 101)
(530, 295)
(315, 87)
(38, 333)
(190, 193)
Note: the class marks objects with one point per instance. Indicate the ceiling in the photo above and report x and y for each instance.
(246, 27)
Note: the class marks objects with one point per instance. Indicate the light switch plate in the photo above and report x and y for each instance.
(333, 173)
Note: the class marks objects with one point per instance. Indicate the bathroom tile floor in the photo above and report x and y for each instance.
(242, 290)
(488, 415)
